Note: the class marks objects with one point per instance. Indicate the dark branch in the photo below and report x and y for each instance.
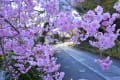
(7, 21)
(1, 45)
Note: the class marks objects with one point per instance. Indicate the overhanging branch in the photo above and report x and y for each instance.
(11, 25)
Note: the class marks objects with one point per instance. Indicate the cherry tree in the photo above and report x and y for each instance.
(26, 27)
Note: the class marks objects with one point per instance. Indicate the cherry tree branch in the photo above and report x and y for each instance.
(7, 21)
(1, 45)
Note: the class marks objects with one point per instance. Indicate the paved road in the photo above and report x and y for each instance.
(80, 65)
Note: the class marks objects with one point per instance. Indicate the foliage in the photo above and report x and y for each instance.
(91, 4)
(113, 52)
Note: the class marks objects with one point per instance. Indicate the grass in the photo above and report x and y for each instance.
(113, 52)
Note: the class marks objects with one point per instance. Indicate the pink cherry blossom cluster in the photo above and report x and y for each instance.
(104, 63)
(51, 7)
(100, 26)
(20, 44)
(65, 21)
(27, 54)
(117, 7)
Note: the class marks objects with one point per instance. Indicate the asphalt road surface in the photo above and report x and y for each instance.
(80, 65)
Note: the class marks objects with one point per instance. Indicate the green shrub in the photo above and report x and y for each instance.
(91, 4)
(114, 52)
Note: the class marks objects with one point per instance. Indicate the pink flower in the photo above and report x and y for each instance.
(117, 6)
(105, 23)
(106, 16)
(48, 77)
(65, 21)
(18, 50)
(59, 76)
(105, 63)
(52, 7)
(99, 10)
